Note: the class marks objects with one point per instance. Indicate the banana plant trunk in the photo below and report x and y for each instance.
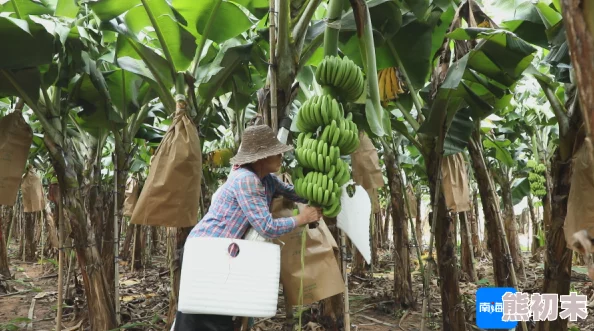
(511, 226)
(125, 250)
(403, 295)
(451, 303)
(137, 248)
(4, 266)
(494, 242)
(29, 231)
(99, 299)
(176, 244)
(387, 217)
(558, 258)
(358, 267)
(108, 249)
(473, 219)
(419, 222)
(536, 226)
(557, 271)
(466, 252)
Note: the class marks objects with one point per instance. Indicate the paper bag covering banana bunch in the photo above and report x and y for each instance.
(579, 222)
(171, 193)
(15, 140)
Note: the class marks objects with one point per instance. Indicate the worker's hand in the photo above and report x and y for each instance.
(308, 215)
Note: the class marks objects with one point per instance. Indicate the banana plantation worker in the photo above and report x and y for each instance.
(244, 201)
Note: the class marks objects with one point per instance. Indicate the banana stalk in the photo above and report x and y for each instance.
(331, 34)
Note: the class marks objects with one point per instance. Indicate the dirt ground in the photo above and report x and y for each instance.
(144, 299)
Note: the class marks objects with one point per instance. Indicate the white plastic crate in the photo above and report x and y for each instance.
(214, 282)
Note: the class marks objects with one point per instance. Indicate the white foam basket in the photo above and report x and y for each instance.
(214, 282)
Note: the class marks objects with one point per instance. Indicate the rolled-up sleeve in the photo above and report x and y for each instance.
(286, 190)
(251, 196)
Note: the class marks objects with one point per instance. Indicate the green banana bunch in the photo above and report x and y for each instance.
(317, 154)
(342, 75)
(318, 111)
(320, 190)
(342, 133)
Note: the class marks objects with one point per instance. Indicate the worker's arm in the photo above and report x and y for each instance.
(251, 196)
(286, 190)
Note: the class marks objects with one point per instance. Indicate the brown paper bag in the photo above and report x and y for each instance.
(131, 193)
(171, 194)
(32, 192)
(365, 162)
(454, 183)
(580, 204)
(16, 137)
(412, 201)
(321, 277)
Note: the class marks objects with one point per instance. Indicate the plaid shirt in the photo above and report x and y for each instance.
(245, 200)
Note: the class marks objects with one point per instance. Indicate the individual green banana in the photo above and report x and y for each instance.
(312, 158)
(337, 190)
(320, 195)
(325, 133)
(344, 178)
(325, 182)
(316, 116)
(346, 141)
(333, 211)
(319, 70)
(343, 125)
(325, 109)
(300, 139)
(325, 149)
(320, 147)
(327, 164)
(320, 162)
(309, 192)
(300, 159)
(341, 71)
(335, 154)
(339, 175)
(335, 109)
(332, 172)
(326, 198)
(335, 137)
(314, 145)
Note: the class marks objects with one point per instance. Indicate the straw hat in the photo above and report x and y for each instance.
(258, 142)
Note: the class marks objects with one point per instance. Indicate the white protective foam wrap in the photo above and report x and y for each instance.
(354, 218)
(213, 282)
